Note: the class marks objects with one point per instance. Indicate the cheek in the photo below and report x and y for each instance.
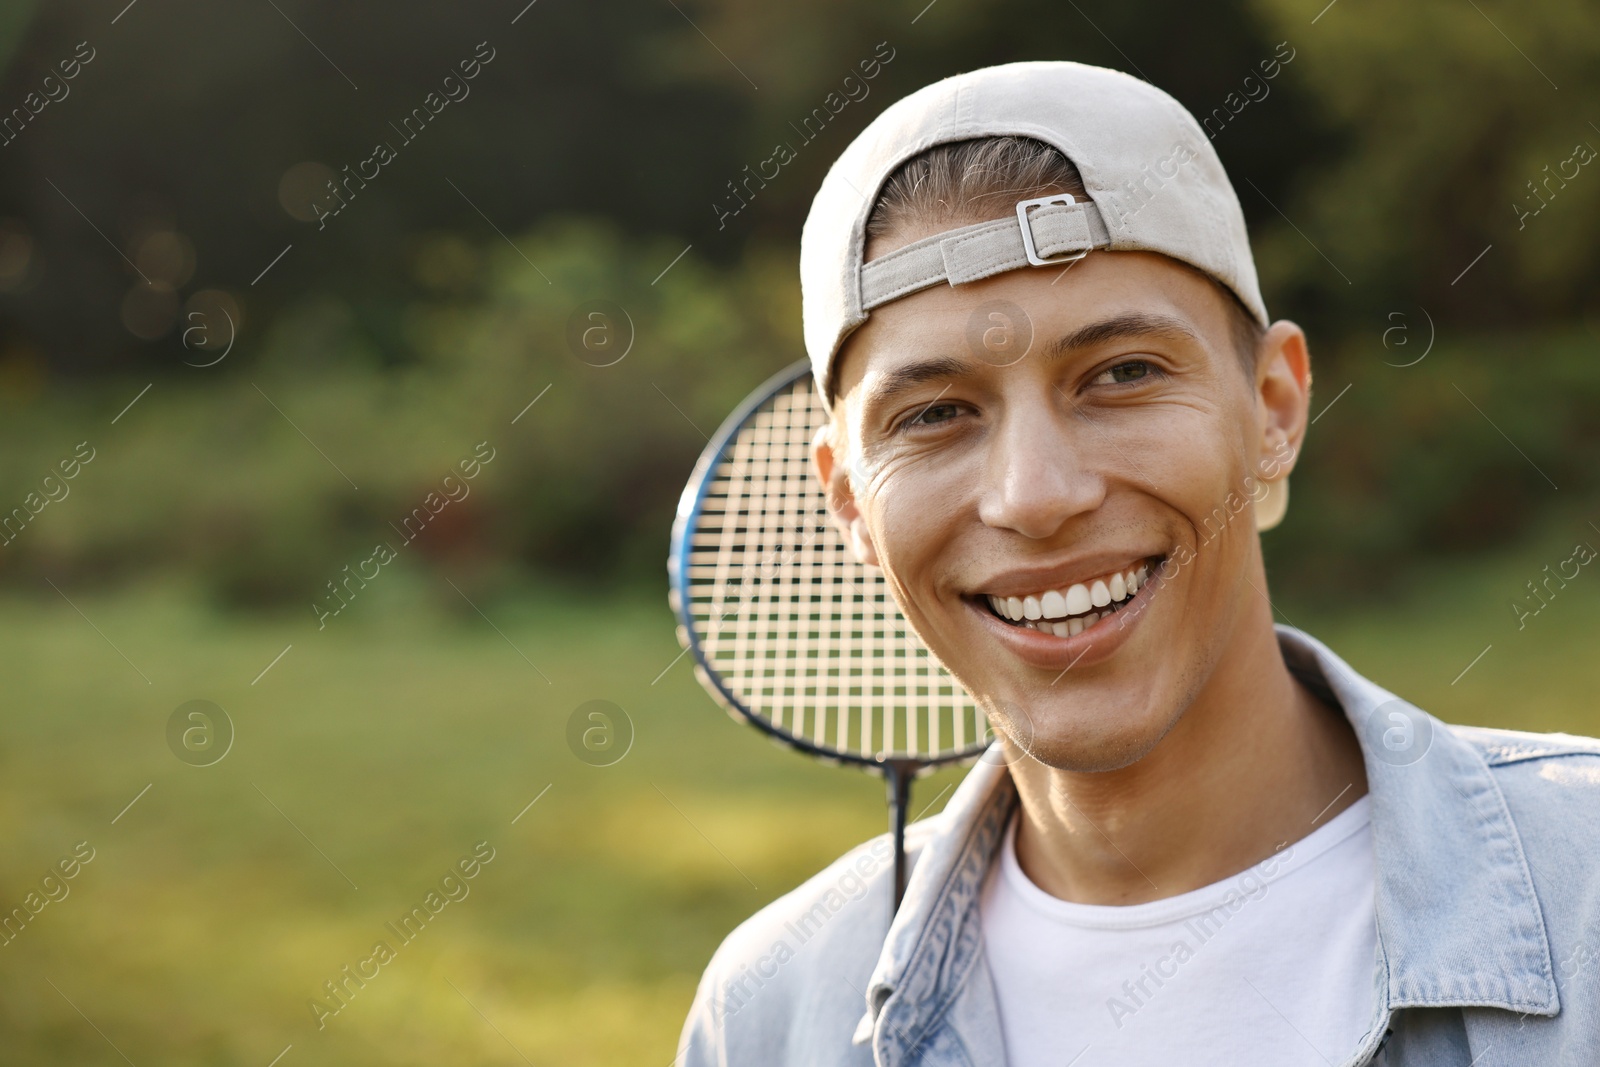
(1189, 458)
(1209, 486)
(913, 505)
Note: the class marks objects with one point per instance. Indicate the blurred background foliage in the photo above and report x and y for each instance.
(1393, 173)
(1388, 152)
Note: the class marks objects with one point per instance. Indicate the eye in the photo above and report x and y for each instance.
(1128, 372)
(931, 415)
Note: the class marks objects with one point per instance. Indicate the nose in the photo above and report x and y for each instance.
(1041, 470)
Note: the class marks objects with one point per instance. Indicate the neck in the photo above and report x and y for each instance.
(1255, 762)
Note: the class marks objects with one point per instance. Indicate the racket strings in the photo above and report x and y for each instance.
(801, 634)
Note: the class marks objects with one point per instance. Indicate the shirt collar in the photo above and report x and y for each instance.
(1458, 922)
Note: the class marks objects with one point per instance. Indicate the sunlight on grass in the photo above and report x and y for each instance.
(380, 751)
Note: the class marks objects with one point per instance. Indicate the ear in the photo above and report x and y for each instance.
(834, 475)
(1283, 398)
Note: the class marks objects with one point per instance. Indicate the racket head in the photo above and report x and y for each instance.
(788, 630)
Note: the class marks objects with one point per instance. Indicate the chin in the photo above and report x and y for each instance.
(1071, 737)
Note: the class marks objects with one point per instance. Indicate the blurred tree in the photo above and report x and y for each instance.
(192, 120)
(1448, 115)
(1375, 168)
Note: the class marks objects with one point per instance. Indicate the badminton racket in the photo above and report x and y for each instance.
(788, 631)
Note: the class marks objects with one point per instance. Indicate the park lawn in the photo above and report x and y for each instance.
(377, 753)
(207, 920)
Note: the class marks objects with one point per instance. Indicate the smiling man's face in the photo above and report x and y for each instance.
(1100, 486)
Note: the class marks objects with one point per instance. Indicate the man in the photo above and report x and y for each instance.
(1060, 415)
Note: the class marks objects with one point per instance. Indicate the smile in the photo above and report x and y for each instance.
(1069, 611)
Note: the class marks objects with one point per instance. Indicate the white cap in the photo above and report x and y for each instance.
(1155, 184)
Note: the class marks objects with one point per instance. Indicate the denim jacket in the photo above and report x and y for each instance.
(1487, 850)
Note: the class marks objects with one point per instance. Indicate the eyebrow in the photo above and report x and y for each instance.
(1134, 324)
(1119, 327)
(913, 374)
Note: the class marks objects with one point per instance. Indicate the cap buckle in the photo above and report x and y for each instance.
(1027, 231)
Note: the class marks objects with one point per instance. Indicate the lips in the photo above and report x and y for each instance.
(1054, 610)
(1062, 626)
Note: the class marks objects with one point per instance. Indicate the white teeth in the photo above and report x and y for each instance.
(1044, 611)
(1059, 629)
(1074, 627)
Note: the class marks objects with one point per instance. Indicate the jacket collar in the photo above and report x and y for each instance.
(1457, 916)
(935, 939)
(1458, 922)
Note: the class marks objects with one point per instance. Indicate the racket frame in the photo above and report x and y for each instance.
(897, 770)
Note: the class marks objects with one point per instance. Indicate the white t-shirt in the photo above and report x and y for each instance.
(1274, 964)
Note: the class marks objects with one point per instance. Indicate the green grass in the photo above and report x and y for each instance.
(394, 741)
(400, 736)
(1418, 640)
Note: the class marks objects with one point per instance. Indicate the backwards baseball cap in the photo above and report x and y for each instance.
(1154, 182)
